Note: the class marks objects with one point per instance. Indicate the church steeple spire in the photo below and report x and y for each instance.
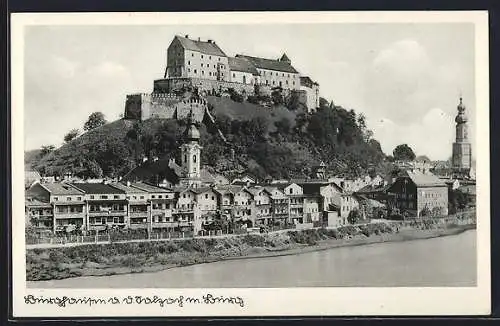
(462, 154)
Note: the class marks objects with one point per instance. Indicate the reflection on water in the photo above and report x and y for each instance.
(445, 261)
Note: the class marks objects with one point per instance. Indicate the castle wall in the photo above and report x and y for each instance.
(207, 85)
(312, 97)
(274, 78)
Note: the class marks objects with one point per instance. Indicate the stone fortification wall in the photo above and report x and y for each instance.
(145, 106)
(204, 85)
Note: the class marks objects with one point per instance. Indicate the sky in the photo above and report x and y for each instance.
(405, 78)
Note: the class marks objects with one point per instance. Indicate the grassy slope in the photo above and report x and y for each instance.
(247, 111)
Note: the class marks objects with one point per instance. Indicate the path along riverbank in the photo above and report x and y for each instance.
(137, 257)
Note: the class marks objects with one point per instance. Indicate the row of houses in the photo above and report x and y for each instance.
(97, 206)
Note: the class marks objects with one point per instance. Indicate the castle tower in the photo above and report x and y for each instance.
(462, 153)
(191, 154)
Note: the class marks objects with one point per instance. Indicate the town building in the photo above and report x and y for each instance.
(67, 203)
(262, 198)
(161, 204)
(416, 192)
(462, 151)
(105, 206)
(39, 214)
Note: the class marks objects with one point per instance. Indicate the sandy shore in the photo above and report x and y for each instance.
(293, 249)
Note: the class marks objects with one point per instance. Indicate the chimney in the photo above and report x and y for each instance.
(199, 39)
(209, 41)
(186, 36)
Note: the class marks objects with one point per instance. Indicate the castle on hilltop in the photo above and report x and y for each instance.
(202, 66)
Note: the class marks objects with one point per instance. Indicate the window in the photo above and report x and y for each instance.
(202, 65)
(215, 66)
(56, 199)
(210, 57)
(202, 72)
(202, 56)
(192, 54)
(234, 75)
(209, 73)
(189, 62)
(160, 196)
(142, 197)
(213, 198)
(68, 198)
(153, 196)
(78, 198)
(116, 196)
(104, 197)
(219, 59)
(183, 195)
(189, 69)
(194, 158)
(195, 71)
(206, 196)
(291, 191)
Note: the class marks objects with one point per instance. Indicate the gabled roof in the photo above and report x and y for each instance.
(97, 188)
(256, 190)
(224, 189)
(242, 64)
(61, 189)
(307, 81)
(127, 189)
(200, 46)
(424, 179)
(149, 188)
(33, 202)
(269, 64)
(201, 190)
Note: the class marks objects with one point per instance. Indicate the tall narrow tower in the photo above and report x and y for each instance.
(462, 153)
(191, 154)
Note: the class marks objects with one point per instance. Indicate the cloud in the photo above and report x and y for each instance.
(432, 135)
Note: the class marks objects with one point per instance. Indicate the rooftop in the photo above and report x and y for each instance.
(97, 188)
(205, 47)
(127, 189)
(269, 64)
(242, 64)
(61, 189)
(424, 179)
(148, 187)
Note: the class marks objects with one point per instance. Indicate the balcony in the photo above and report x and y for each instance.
(107, 212)
(139, 214)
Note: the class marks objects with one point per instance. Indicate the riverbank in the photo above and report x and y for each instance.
(124, 258)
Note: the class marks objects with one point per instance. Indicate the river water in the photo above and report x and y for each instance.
(444, 261)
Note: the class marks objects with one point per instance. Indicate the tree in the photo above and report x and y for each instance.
(403, 152)
(72, 134)
(354, 216)
(95, 120)
(46, 149)
(425, 212)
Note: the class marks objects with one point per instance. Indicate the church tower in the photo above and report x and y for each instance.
(462, 153)
(191, 154)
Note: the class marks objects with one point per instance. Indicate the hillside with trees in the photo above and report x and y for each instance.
(266, 142)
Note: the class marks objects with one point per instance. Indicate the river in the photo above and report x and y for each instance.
(443, 261)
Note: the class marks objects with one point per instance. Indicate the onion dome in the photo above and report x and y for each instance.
(461, 117)
(192, 133)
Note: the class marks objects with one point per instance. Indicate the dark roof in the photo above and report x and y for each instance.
(97, 188)
(307, 81)
(61, 189)
(127, 189)
(242, 64)
(201, 46)
(424, 179)
(269, 64)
